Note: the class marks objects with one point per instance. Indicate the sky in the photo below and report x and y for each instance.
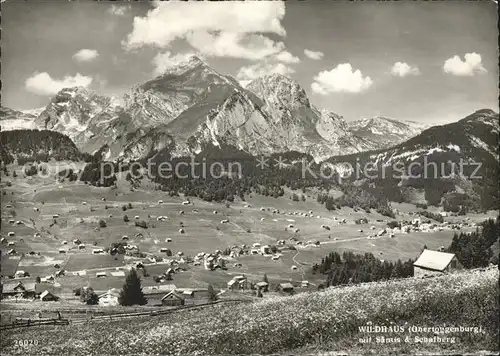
(431, 62)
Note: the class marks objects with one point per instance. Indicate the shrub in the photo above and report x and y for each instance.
(88, 296)
(142, 224)
(102, 224)
(394, 224)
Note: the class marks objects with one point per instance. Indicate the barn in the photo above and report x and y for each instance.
(435, 263)
(172, 299)
(286, 288)
(46, 296)
(263, 286)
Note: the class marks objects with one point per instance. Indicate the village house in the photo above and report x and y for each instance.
(17, 290)
(286, 288)
(47, 296)
(263, 286)
(435, 263)
(193, 296)
(172, 299)
(21, 274)
(28, 290)
(238, 282)
(109, 298)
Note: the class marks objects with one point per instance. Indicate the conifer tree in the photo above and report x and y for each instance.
(131, 293)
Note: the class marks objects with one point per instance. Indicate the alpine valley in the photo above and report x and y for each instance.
(192, 110)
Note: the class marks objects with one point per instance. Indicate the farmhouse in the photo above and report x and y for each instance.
(3, 240)
(81, 246)
(286, 288)
(47, 279)
(118, 274)
(435, 263)
(47, 296)
(10, 234)
(110, 298)
(100, 274)
(97, 251)
(19, 290)
(21, 274)
(238, 282)
(263, 286)
(172, 299)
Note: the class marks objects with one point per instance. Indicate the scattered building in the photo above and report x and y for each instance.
(172, 299)
(434, 263)
(47, 296)
(263, 286)
(110, 298)
(286, 288)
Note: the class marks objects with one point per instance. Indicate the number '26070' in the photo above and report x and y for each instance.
(26, 343)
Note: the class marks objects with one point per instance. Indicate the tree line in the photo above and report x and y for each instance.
(351, 268)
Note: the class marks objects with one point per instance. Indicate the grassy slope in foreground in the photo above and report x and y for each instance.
(319, 321)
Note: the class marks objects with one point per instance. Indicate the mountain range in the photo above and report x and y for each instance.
(191, 106)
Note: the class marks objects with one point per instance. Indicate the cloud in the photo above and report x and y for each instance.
(224, 29)
(472, 65)
(402, 69)
(118, 10)
(287, 57)
(85, 55)
(235, 45)
(342, 78)
(316, 55)
(254, 71)
(44, 84)
(163, 61)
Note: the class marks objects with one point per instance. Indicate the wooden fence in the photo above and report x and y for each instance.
(22, 323)
(29, 322)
